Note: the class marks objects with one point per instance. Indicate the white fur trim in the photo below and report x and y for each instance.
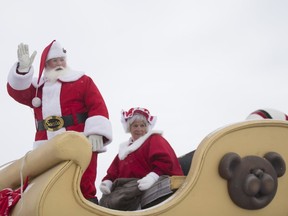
(18, 81)
(56, 51)
(51, 104)
(51, 99)
(99, 125)
(34, 82)
(71, 76)
(125, 149)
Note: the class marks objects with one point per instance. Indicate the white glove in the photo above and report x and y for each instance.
(147, 181)
(96, 142)
(105, 187)
(25, 61)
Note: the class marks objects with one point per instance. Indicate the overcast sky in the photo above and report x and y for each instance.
(196, 65)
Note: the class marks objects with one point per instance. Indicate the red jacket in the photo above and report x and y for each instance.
(152, 153)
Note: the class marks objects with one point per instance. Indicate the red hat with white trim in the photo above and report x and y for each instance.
(53, 50)
(134, 111)
(267, 114)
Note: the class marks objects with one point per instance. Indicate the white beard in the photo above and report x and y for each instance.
(54, 74)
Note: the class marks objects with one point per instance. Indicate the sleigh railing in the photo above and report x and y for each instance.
(55, 170)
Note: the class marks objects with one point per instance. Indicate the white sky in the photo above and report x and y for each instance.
(196, 65)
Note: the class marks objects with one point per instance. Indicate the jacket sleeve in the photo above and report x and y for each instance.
(98, 118)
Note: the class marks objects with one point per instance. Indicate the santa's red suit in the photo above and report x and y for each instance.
(76, 98)
(149, 153)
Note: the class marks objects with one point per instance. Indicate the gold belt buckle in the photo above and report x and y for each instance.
(53, 123)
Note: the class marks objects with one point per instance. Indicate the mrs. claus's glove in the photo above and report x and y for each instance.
(96, 142)
(105, 186)
(147, 181)
(24, 59)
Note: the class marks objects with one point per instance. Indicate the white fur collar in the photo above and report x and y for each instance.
(125, 148)
(67, 77)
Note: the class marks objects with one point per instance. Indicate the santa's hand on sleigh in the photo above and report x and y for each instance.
(105, 186)
(24, 58)
(97, 143)
(147, 181)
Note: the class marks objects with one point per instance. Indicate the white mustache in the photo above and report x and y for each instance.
(59, 68)
(52, 75)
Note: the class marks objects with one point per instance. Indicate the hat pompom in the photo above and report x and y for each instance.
(267, 114)
(36, 102)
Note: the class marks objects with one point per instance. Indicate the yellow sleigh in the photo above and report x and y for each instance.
(236, 170)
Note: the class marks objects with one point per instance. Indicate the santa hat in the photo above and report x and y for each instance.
(267, 114)
(134, 111)
(56, 51)
(53, 50)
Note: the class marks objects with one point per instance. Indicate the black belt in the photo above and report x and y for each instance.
(54, 123)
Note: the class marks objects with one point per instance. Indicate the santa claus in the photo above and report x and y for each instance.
(62, 99)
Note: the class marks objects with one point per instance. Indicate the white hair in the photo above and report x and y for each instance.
(138, 117)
